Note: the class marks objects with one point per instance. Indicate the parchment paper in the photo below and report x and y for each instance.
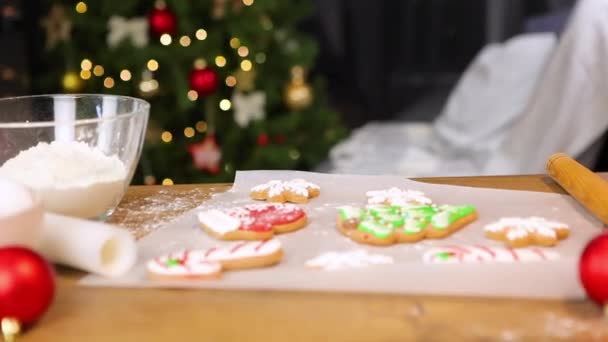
(408, 274)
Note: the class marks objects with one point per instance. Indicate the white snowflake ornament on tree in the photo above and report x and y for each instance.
(57, 26)
(135, 29)
(248, 107)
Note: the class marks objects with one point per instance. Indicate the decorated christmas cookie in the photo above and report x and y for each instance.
(295, 191)
(209, 263)
(520, 232)
(332, 261)
(485, 254)
(397, 197)
(389, 224)
(252, 222)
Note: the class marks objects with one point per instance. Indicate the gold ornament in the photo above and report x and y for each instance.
(245, 80)
(72, 83)
(298, 93)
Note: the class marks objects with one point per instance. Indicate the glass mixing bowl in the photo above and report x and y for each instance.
(77, 152)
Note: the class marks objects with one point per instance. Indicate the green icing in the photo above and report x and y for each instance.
(375, 228)
(381, 220)
(172, 262)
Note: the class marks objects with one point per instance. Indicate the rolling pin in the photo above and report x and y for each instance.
(589, 189)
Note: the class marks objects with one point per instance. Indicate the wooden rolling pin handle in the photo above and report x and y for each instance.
(589, 189)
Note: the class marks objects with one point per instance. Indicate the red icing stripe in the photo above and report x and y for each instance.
(257, 248)
(540, 253)
(513, 253)
(458, 248)
(487, 250)
(237, 247)
(210, 251)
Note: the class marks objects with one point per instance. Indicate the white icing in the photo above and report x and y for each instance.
(441, 220)
(241, 250)
(396, 196)
(219, 221)
(276, 187)
(482, 254)
(332, 261)
(517, 228)
(193, 265)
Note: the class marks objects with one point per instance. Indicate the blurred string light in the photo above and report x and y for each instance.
(166, 137)
(189, 132)
(294, 154)
(201, 126)
(98, 70)
(243, 51)
(201, 34)
(185, 41)
(235, 42)
(200, 63)
(86, 64)
(231, 81)
(260, 57)
(192, 95)
(247, 2)
(85, 74)
(152, 65)
(81, 7)
(220, 61)
(246, 65)
(167, 181)
(165, 39)
(108, 82)
(225, 104)
(125, 75)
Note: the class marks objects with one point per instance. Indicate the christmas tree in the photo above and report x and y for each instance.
(228, 81)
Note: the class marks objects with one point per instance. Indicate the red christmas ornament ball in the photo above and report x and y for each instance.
(203, 81)
(263, 139)
(27, 284)
(593, 269)
(162, 20)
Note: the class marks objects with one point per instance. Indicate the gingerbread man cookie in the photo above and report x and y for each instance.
(253, 222)
(485, 254)
(209, 263)
(385, 225)
(397, 197)
(520, 232)
(295, 191)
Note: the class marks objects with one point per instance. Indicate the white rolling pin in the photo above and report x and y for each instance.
(87, 245)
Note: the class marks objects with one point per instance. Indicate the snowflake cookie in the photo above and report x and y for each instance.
(200, 264)
(520, 232)
(295, 191)
(385, 224)
(396, 196)
(485, 254)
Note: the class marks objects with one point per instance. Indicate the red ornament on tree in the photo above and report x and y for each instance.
(263, 139)
(203, 81)
(593, 269)
(27, 286)
(161, 20)
(206, 155)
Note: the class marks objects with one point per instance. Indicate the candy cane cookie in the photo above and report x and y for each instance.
(485, 254)
(521, 232)
(386, 225)
(252, 222)
(295, 191)
(200, 264)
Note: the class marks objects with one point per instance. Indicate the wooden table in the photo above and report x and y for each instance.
(106, 314)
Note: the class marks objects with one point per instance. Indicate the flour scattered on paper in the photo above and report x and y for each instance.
(332, 261)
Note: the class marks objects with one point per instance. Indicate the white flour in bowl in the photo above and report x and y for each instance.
(71, 178)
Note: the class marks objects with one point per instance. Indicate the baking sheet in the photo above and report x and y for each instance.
(408, 274)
